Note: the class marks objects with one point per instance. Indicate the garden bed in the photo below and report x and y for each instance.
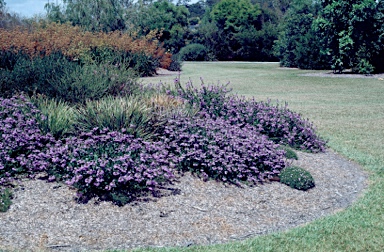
(45, 215)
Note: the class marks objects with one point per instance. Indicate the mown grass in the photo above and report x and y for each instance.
(347, 112)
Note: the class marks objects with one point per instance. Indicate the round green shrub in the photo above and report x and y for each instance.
(297, 178)
(193, 52)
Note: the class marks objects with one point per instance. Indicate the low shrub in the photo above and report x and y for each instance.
(211, 98)
(143, 64)
(280, 124)
(297, 178)
(111, 165)
(22, 144)
(139, 62)
(22, 73)
(165, 106)
(193, 52)
(93, 82)
(364, 67)
(213, 148)
(277, 122)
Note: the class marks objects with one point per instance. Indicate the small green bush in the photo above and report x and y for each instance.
(141, 63)
(364, 67)
(93, 82)
(5, 199)
(193, 52)
(20, 73)
(297, 178)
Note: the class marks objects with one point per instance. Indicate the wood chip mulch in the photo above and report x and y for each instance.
(45, 217)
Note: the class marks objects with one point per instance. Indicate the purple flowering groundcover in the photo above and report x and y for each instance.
(231, 139)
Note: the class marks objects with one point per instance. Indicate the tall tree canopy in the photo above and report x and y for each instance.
(229, 22)
(170, 20)
(93, 15)
(352, 34)
(234, 15)
(298, 45)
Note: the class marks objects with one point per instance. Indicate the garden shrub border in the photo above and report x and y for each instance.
(224, 130)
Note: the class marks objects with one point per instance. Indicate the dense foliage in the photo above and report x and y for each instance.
(22, 143)
(94, 15)
(352, 34)
(109, 164)
(335, 34)
(193, 52)
(298, 44)
(78, 45)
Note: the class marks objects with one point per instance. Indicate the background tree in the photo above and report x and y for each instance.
(351, 32)
(211, 3)
(93, 15)
(236, 22)
(170, 20)
(298, 45)
(55, 13)
(9, 20)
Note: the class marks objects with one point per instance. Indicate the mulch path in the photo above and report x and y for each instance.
(345, 75)
(45, 217)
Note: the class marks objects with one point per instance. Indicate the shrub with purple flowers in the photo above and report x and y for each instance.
(211, 98)
(278, 123)
(111, 164)
(213, 148)
(22, 146)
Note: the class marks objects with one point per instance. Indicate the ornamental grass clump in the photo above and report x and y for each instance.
(117, 113)
(22, 145)
(56, 117)
(110, 164)
(213, 148)
(165, 106)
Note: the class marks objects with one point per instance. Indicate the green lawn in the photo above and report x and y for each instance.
(347, 112)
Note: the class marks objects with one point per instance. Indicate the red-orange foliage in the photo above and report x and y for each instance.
(75, 43)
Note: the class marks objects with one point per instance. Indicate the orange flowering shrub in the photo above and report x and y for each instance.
(75, 43)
